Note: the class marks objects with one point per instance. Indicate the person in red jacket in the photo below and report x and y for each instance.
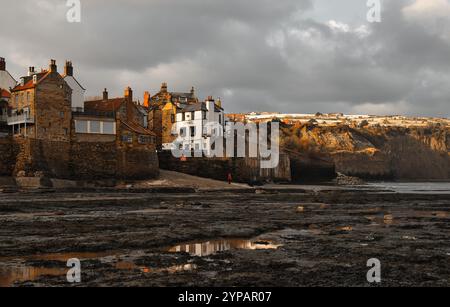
(230, 178)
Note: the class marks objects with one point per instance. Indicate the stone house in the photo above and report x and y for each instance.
(101, 139)
(41, 106)
(128, 121)
(162, 110)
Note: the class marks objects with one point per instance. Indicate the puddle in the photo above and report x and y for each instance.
(206, 248)
(18, 269)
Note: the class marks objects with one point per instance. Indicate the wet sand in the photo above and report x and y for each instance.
(273, 237)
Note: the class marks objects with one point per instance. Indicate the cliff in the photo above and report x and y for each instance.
(402, 153)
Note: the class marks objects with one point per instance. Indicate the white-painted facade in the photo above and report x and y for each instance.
(77, 92)
(6, 80)
(196, 126)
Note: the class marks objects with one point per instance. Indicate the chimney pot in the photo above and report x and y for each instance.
(105, 94)
(68, 69)
(2, 64)
(31, 71)
(53, 67)
(129, 93)
(147, 98)
(164, 87)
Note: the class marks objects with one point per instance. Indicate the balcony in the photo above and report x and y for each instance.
(3, 118)
(20, 119)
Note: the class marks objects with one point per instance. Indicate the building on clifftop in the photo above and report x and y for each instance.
(162, 111)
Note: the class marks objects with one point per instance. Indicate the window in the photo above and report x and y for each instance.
(28, 97)
(127, 139)
(61, 114)
(192, 115)
(197, 147)
(183, 116)
(94, 127)
(204, 115)
(183, 132)
(108, 128)
(220, 119)
(81, 126)
(143, 139)
(66, 131)
(192, 129)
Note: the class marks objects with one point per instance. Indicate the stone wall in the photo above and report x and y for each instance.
(75, 160)
(7, 156)
(242, 169)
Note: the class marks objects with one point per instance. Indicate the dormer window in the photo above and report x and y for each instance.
(34, 79)
(22, 81)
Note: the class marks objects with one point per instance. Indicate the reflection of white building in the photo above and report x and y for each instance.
(197, 124)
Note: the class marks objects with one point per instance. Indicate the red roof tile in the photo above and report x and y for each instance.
(110, 105)
(4, 94)
(29, 82)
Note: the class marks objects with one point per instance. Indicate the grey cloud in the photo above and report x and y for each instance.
(259, 55)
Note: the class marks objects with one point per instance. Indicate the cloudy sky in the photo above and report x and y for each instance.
(299, 56)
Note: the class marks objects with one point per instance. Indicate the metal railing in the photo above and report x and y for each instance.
(20, 119)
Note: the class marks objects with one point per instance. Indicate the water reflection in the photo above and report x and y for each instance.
(202, 249)
(13, 269)
(8, 276)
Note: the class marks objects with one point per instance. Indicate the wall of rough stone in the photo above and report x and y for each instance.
(7, 156)
(137, 163)
(242, 169)
(93, 160)
(75, 160)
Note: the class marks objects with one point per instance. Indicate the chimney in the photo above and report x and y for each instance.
(193, 91)
(219, 102)
(105, 94)
(68, 69)
(147, 98)
(31, 71)
(2, 64)
(53, 67)
(129, 94)
(164, 87)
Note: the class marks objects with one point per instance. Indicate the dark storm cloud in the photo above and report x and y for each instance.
(259, 55)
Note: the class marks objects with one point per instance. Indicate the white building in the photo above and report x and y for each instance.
(196, 124)
(78, 90)
(6, 80)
